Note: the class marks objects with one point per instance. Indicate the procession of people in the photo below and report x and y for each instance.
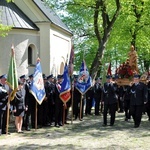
(134, 97)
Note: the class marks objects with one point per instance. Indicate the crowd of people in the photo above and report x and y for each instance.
(133, 100)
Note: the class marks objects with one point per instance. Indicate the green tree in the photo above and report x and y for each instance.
(3, 28)
(96, 23)
(93, 20)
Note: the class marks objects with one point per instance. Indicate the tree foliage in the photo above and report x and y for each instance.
(90, 21)
(3, 28)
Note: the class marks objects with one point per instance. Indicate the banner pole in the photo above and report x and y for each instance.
(7, 121)
(81, 107)
(35, 114)
(64, 107)
(72, 106)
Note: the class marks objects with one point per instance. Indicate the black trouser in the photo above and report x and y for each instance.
(136, 112)
(1, 120)
(76, 103)
(127, 109)
(58, 113)
(88, 106)
(121, 105)
(26, 119)
(148, 109)
(112, 111)
(97, 105)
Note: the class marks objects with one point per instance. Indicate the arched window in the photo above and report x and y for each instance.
(30, 56)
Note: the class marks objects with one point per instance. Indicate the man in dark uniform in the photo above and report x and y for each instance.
(77, 100)
(126, 99)
(28, 102)
(120, 99)
(58, 102)
(3, 104)
(97, 95)
(110, 100)
(50, 88)
(148, 103)
(89, 100)
(139, 97)
(42, 114)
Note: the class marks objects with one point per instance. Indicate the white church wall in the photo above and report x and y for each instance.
(60, 46)
(21, 39)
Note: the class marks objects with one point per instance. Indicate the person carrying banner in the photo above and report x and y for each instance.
(97, 95)
(76, 98)
(58, 102)
(48, 103)
(30, 101)
(83, 84)
(19, 106)
(3, 104)
(37, 88)
(89, 100)
(110, 100)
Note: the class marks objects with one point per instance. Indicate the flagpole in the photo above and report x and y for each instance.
(81, 107)
(7, 121)
(12, 82)
(64, 107)
(35, 115)
(72, 104)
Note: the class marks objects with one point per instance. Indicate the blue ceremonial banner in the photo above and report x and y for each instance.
(37, 85)
(65, 94)
(84, 81)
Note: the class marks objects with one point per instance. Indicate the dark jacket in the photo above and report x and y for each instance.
(110, 93)
(19, 100)
(97, 90)
(3, 98)
(139, 94)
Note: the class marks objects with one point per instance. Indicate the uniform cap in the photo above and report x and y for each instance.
(136, 76)
(22, 77)
(108, 76)
(44, 77)
(31, 76)
(3, 76)
(50, 76)
(59, 76)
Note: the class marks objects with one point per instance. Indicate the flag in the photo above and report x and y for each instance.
(65, 94)
(109, 69)
(12, 77)
(37, 86)
(71, 61)
(84, 81)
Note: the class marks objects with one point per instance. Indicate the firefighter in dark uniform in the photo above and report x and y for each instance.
(97, 95)
(28, 99)
(50, 88)
(3, 104)
(139, 97)
(126, 99)
(76, 100)
(58, 102)
(30, 102)
(148, 103)
(110, 100)
(43, 109)
(89, 100)
(120, 93)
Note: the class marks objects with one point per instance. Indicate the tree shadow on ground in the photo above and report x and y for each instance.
(91, 126)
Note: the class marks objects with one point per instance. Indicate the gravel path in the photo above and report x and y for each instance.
(87, 134)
